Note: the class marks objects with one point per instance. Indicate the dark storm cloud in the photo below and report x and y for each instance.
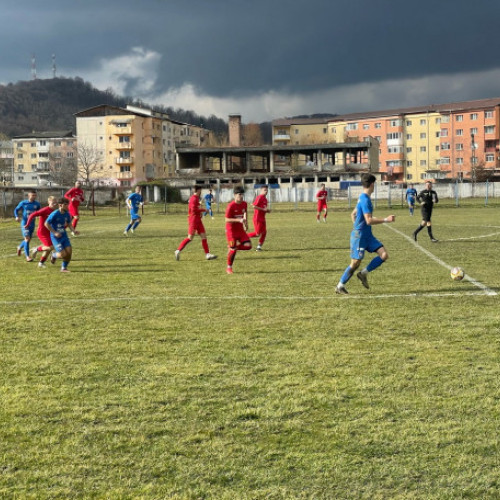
(241, 48)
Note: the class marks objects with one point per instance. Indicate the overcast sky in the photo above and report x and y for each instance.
(264, 59)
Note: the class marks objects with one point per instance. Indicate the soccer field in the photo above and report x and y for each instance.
(137, 376)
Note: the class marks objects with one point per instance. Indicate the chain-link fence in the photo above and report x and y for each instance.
(163, 199)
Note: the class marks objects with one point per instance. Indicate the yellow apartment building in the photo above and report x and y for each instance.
(44, 158)
(458, 140)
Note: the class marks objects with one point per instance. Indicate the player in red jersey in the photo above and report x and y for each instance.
(42, 232)
(322, 197)
(195, 225)
(236, 227)
(259, 217)
(75, 196)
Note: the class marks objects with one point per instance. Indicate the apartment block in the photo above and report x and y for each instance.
(6, 163)
(447, 141)
(44, 158)
(132, 144)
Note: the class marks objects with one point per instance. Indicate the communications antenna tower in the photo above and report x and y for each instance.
(53, 65)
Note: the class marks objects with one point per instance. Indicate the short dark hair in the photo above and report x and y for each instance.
(32, 191)
(367, 180)
(239, 190)
(62, 201)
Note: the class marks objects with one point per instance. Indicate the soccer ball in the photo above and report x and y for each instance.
(457, 274)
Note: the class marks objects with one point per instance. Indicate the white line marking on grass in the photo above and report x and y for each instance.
(478, 284)
(90, 300)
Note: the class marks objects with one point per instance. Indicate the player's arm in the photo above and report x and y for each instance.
(371, 221)
(51, 229)
(353, 215)
(436, 199)
(31, 217)
(69, 195)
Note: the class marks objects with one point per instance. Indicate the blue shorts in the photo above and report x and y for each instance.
(360, 245)
(411, 200)
(60, 243)
(134, 215)
(27, 232)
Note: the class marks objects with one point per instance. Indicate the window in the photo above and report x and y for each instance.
(325, 131)
(20, 168)
(423, 163)
(423, 122)
(352, 126)
(57, 144)
(396, 123)
(395, 149)
(33, 166)
(438, 120)
(296, 131)
(408, 123)
(379, 139)
(394, 135)
(490, 129)
(459, 132)
(409, 163)
(490, 157)
(423, 135)
(459, 161)
(473, 130)
(70, 154)
(366, 126)
(42, 143)
(43, 155)
(408, 137)
(459, 146)
(445, 145)
(473, 116)
(409, 150)
(409, 176)
(124, 138)
(445, 119)
(70, 143)
(474, 160)
(438, 134)
(459, 118)
(19, 145)
(423, 149)
(444, 132)
(20, 156)
(378, 125)
(488, 114)
(33, 155)
(394, 163)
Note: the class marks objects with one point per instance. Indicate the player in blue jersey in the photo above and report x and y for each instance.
(411, 196)
(362, 239)
(209, 198)
(56, 223)
(27, 207)
(134, 201)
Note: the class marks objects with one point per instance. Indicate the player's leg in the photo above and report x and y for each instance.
(183, 245)
(204, 244)
(137, 221)
(325, 213)
(129, 225)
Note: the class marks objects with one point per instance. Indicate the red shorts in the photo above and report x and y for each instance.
(236, 235)
(259, 226)
(44, 238)
(195, 225)
(73, 210)
(322, 205)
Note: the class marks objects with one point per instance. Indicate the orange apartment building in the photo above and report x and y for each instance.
(442, 142)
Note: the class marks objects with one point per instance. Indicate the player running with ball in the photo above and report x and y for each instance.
(362, 239)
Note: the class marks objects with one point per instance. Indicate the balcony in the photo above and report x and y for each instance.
(281, 137)
(124, 175)
(43, 149)
(124, 161)
(117, 130)
(124, 146)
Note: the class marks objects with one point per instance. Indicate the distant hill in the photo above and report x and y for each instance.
(47, 105)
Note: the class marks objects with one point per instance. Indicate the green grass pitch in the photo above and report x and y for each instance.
(137, 376)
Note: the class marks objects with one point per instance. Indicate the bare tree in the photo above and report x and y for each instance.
(89, 161)
(63, 170)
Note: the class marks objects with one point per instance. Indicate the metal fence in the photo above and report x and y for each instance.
(291, 197)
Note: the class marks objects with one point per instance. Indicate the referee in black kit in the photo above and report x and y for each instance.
(426, 198)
